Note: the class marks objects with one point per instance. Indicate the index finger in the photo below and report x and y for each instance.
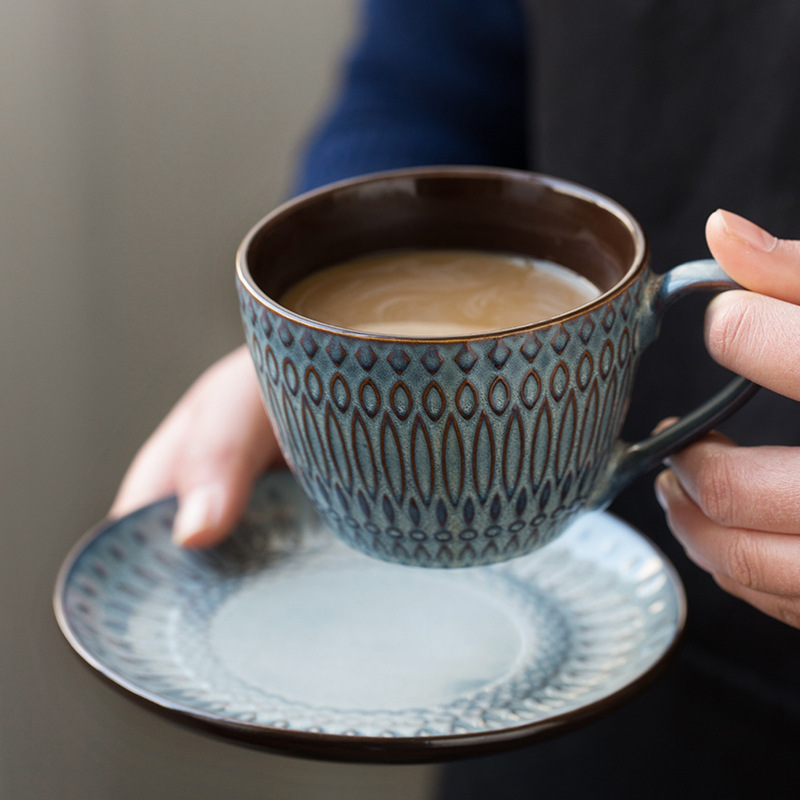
(755, 488)
(758, 337)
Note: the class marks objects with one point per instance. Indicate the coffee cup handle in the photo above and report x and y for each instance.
(629, 461)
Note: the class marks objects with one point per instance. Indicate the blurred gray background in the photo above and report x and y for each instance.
(138, 144)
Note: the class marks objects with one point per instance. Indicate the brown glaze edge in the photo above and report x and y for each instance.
(634, 271)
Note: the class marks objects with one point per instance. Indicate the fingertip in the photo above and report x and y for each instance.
(209, 512)
(722, 246)
(733, 330)
(199, 520)
(743, 230)
(664, 424)
(740, 246)
(718, 309)
(753, 257)
(715, 224)
(665, 487)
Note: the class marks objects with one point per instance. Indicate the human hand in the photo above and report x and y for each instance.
(736, 510)
(208, 450)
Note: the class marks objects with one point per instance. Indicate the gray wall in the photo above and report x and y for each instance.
(138, 143)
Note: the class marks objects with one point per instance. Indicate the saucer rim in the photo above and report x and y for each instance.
(357, 748)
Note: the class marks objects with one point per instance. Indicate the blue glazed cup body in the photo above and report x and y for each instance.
(469, 450)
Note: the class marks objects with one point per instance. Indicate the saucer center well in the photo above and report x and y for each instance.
(367, 635)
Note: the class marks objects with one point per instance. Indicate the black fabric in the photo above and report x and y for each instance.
(688, 736)
(675, 109)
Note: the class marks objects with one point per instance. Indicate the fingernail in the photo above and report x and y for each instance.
(663, 487)
(198, 511)
(747, 232)
(663, 425)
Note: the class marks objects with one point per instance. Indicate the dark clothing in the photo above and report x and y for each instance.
(674, 109)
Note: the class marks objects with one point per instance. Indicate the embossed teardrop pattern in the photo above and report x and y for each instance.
(448, 453)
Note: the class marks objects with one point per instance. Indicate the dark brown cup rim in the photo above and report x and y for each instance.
(590, 197)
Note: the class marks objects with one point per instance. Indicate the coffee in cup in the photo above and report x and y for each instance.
(438, 292)
(468, 448)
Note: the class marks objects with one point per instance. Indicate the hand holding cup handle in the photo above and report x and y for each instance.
(734, 509)
(632, 460)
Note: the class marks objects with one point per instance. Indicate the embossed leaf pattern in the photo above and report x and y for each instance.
(421, 427)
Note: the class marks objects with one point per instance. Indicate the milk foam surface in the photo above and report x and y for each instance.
(435, 293)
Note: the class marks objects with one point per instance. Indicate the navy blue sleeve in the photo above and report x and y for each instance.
(428, 82)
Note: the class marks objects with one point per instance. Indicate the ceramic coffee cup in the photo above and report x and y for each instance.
(466, 450)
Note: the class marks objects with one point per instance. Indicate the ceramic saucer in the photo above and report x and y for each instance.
(287, 639)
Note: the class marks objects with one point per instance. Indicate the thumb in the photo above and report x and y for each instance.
(208, 451)
(754, 258)
(229, 441)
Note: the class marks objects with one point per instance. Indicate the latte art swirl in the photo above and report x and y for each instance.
(430, 293)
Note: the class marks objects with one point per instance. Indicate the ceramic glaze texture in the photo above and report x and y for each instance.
(475, 449)
(449, 453)
(285, 638)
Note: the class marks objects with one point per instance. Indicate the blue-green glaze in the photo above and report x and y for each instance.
(464, 451)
